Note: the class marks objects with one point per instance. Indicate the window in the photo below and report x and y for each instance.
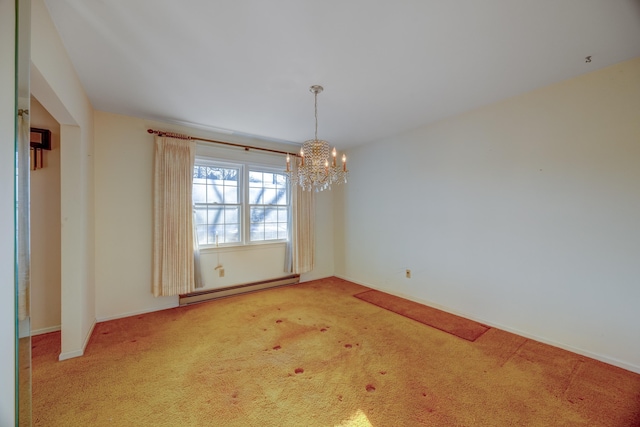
(224, 215)
(216, 200)
(268, 205)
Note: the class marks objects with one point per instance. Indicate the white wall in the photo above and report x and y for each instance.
(45, 229)
(55, 84)
(124, 191)
(522, 214)
(7, 213)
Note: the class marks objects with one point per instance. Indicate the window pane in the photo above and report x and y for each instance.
(199, 173)
(271, 215)
(281, 180)
(283, 231)
(230, 194)
(255, 196)
(215, 194)
(270, 196)
(269, 180)
(231, 175)
(212, 173)
(270, 232)
(216, 215)
(215, 175)
(211, 234)
(202, 234)
(281, 197)
(231, 233)
(257, 214)
(282, 214)
(255, 178)
(257, 232)
(201, 214)
(199, 193)
(231, 215)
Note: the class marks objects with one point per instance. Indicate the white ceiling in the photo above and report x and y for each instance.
(387, 66)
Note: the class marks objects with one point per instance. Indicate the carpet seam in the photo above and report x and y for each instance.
(516, 351)
(572, 377)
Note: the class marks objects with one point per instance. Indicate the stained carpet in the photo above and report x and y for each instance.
(447, 322)
(313, 355)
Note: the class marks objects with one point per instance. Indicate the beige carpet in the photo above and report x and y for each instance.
(313, 355)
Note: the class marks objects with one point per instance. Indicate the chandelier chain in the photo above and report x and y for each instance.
(316, 110)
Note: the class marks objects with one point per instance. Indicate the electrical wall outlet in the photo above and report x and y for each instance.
(221, 272)
(407, 273)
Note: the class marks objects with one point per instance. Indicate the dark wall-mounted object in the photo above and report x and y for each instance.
(41, 138)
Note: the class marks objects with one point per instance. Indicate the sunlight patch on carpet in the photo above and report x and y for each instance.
(447, 322)
(359, 419)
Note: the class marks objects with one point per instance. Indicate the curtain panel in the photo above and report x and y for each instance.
(173, 236)
(300, 250)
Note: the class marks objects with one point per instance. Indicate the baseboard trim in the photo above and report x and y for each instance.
(42, 331)
(70, 355)
(79, 352)
(599, 357)
(212, 294)
(137, 312)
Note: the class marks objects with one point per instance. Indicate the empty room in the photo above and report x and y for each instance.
(249, 213)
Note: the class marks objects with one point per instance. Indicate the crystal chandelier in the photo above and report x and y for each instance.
(317, 166)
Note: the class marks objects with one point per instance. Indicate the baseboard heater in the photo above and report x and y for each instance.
(211, 294)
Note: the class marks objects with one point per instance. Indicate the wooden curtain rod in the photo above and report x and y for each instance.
(246, 147)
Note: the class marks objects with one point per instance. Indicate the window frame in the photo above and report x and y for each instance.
(243, 198)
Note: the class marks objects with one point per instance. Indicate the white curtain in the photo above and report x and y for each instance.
(173, 235)
(300, 251)
(24, 261)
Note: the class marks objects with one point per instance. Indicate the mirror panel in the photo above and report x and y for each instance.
(23, 360)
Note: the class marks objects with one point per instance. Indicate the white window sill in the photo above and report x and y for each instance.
(239, 247)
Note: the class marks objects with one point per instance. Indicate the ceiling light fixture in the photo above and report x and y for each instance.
(317, 166)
